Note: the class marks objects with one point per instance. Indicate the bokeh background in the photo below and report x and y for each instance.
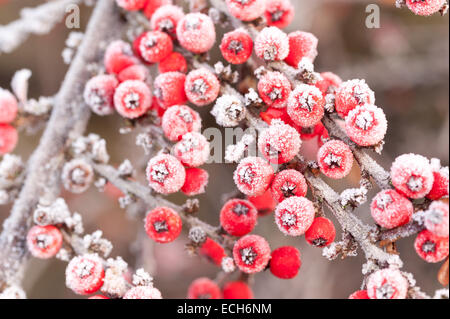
(405, 62)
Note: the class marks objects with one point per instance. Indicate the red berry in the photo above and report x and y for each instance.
(274, 89)
(98, 297)
(246, 10)
(301, 45)
(202, 87)
(169, 89)
(179, 120)
(157, 108)
(285, 262)
(132, 99)
(272, 44)
(8, 138)
(166, 19)
(237, 290)
(163, 225)
(294, 215)
(143, 292)
(306, 105)
(192, 150)
(155, 46)
(165, 174)
(274, 114)
(425, 7)
(99, 94)
(153, 5)
(174, 62)
(119, 56)
(135, 72)
(196, 181)
(440, 184)
(430, 247)
(321, 233)
(335, 159)
(437, 219)
(265, 203)
(251, 253)
(391, 209)
(308, 133)
(328, 82)
(412, 175)
(196, 32)
(204, 288)
(253, 176)
(366, 125)
(238, 217)
(236, 46)
(131, 5)
(279, 13)
(288, 183)
(85, 274)
(8, 106)
(44, 241)
(213, 251)
(387, 284)
(360, 294)
(351, 94)
(279, 143)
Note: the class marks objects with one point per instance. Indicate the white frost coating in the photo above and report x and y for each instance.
(355, 196)
(96, 242)
(19, 84)
(13, 292)
(126, 168)
(228, 110)
(115, 283)
(48, 214)
(234, 153)
(142, 278)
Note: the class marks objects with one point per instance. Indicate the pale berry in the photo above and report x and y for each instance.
(85, 274)
(153, 5)
(8, 106)
(119, 56)
(440, 184)
(174, 62)
(272, 44)
(246, 10)
(265, 203)
(236, 46)
(238, 217)
(430, 247)
(237, 290)
(387, 284)
(132, 99)
(335, 159)
(251, 253)
(229, 110)
(328, 83)
(425, 7)
(360, 294)
(306, 105)
(279, 13)
(143, 292)
(169, 89)
(294, 215)
(391, 209)
(253, 176)
(131, 5)
(301, 45)
(165, 174)
(155, 46)
(285, 262)
(204, 288)
(179, 120)
(196, 181)
(212, 251)
(166, 19)
(202, 87)
(99, 94)
(135, 72)
(77, 175)
(163, 225)
(196, 32)
(192, 150)
(321, 233)
(412, 175)
(366, 125)
(44, 241)
(437, 219)
(288, 183)
(274, 89)
(351, 94)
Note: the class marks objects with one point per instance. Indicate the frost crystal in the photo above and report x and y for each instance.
(142, 278)
(228, 265)
(126, 168)
(48, 214)
(115, 283)
(354, 196)
(248, 255)
(228, 111)
(197, 235)
(252, 98)
(234, 153)
(97, 244)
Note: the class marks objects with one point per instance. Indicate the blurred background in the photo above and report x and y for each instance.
(405, 62)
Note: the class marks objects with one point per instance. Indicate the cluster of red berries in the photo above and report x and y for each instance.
(8, 113)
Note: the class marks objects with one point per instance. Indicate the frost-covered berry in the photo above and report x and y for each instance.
(237, 290)
(440, 184)
(204, 288)
(425, 7)
(132, 99)
(8, 106)
(119, 56)
(202, 87)
(153, 5)
(274, 89)
(179, 120)
(279, 13)
(131, 5)
(44, 241)
(236, 46)
(277, 114)
(166, 19)
(8, 138)
(192, 150)
(308, 133)
(238, 217)
(306, 105)
(294, 215)
(288, 183)
(387, 284)
(272, 44)
(285, 262)
(85, 274)
(165, 174)
(412, 175)
(77, 175)
(253, 176)
(143, 292)
(229, 110)
(99, 92)
(391, 209)
(196, 32)
(155, 46)
(366, 125)
(212, 251)
(174, 62)
(437, 220)
(279, 143)
(135, 72)
(246, 10)
(265, 203)
(360, 294)
(163, 225)
(328, 82)
(196, 181)
(169, 89)
(430, 247)
(321, 233)
(301, 45)
(351, 94)
(251, 253)
(335, 159)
